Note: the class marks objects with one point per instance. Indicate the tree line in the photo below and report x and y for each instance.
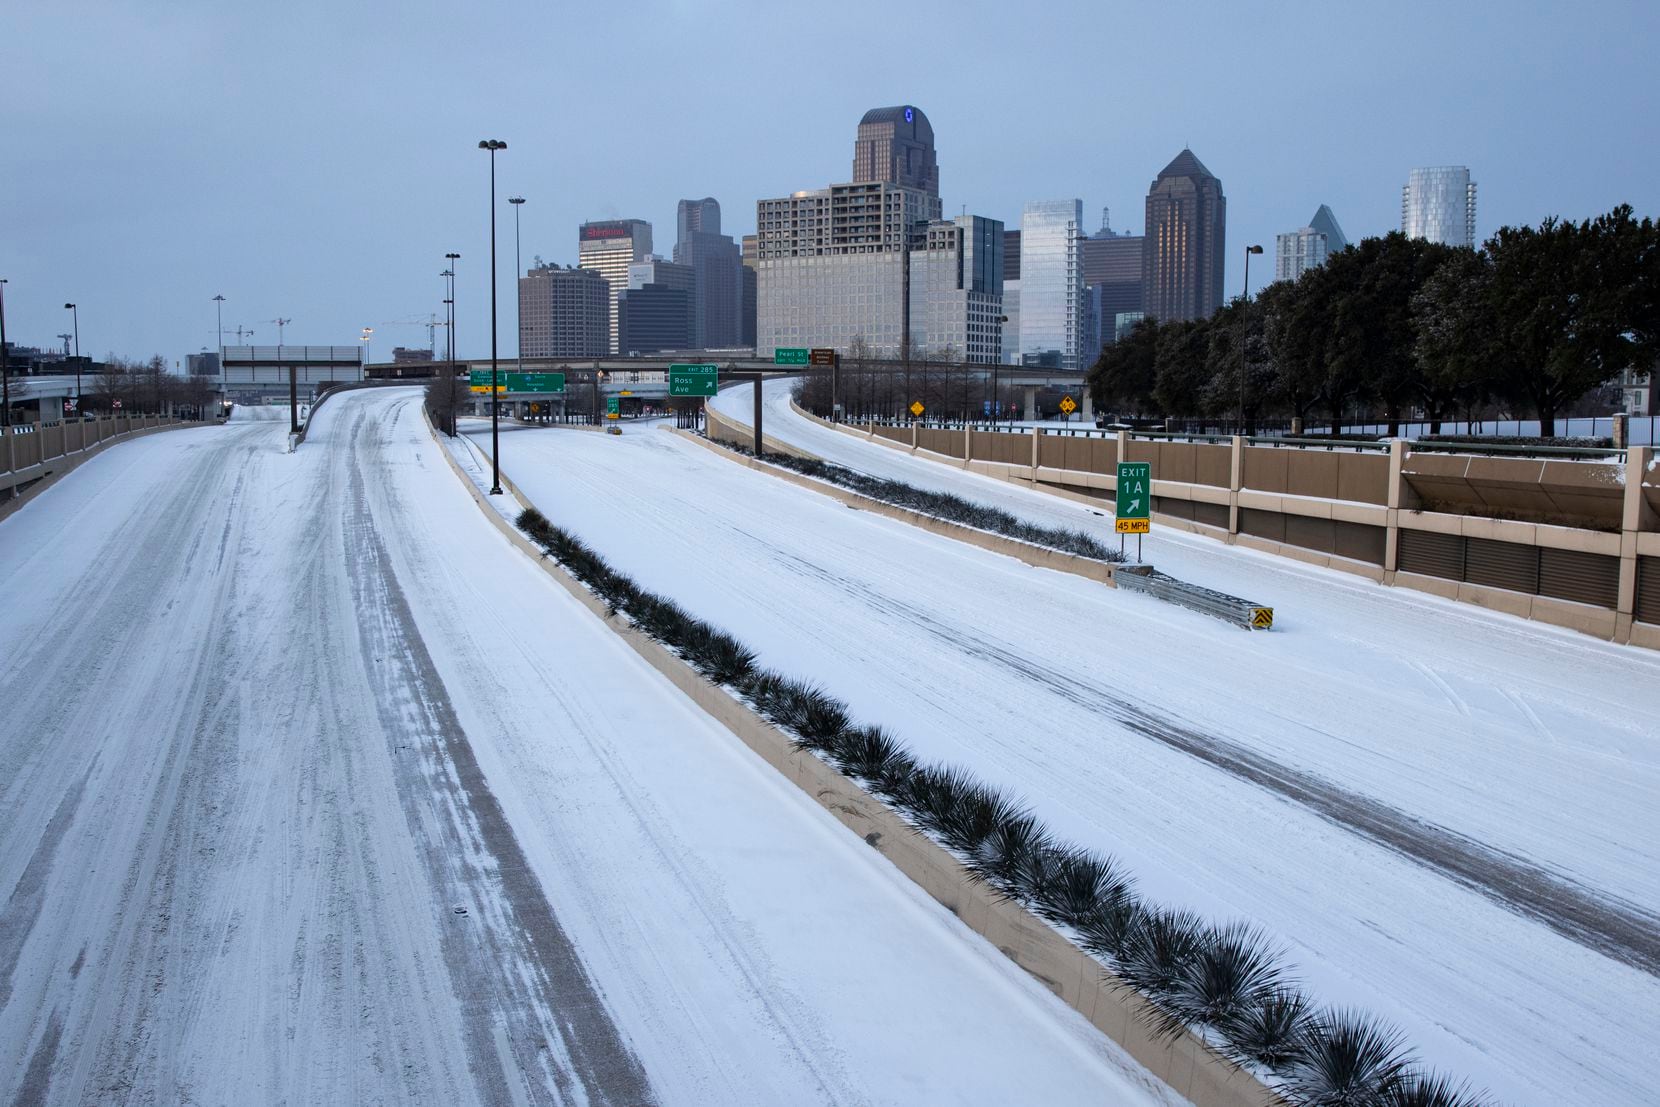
(1533, 320)
(132, 387)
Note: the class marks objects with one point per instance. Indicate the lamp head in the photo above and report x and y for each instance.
(515, 199)
(69, 307)
(1253, 249)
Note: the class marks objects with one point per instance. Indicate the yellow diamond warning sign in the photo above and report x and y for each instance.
(916, 407)
(1068, 405)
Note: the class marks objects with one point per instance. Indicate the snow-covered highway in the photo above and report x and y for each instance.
(313, 789)
(1419, 799)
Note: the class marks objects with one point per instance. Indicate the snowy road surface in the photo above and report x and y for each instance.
(1447, 815)
(313, 789)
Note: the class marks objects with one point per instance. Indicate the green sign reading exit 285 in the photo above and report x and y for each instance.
(1135, 498)
(695, 379)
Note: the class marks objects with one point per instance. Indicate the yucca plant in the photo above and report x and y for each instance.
(1106, 930)
(872, 755)
(1006, 850)
(1076, 884)
(1275, 1030)
(1230, 972)
(1352, 1061)
(1427, 1089)
(1157, 950)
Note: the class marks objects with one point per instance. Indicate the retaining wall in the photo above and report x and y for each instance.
(1584, 552)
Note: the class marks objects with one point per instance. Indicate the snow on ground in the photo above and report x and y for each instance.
(314, 789)
(1445, 814)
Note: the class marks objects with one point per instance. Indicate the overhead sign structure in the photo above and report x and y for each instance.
(1068, 405)
(534, 384)
(819, 355)
(916, 407)
(1135, 498)
(789, 355)
(697, 379)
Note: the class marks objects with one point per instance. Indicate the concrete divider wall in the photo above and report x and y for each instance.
(1346, 510)
(32, 467)
(1185, 1062)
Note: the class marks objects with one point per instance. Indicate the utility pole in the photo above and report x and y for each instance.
(75, 313)
(5, 364)
(492, 145)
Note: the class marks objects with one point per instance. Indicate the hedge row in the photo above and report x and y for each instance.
(942, 505)
(1226, 981)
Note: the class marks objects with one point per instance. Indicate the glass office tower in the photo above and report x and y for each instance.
(1052, 311)
(1439, 204)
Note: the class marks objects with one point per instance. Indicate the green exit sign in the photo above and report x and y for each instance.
(696, 379)
(1135, 498)
(789, 355)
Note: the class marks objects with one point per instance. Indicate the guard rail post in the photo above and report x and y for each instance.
(1396, 499)
(1636, 517)
(1236, 481)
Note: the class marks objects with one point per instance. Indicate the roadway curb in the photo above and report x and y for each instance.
(1185, 1063)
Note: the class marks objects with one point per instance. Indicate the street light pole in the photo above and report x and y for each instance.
(75, 314)
(449, 274)
(492, 145)
(518, 324)
(1244, 302)
(5, 364)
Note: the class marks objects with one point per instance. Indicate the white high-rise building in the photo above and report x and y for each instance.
(1054, 319)
(1439, 204)
(609, 248)
(1308, 248)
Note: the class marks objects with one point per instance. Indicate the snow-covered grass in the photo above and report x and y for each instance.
(1224, 980)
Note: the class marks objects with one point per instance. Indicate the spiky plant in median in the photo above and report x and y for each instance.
(1275, 1031)
(1077, 884)
(1427, 1089)
(943, 505)
(1158, 949)
(871, 754)
(1006, 850)
(1105, 931)
(978, 812)
(1352, 1061)
(1228, 974)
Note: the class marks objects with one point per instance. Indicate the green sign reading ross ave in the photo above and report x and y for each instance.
(1135, 498)
(789, 355)
(697, 379)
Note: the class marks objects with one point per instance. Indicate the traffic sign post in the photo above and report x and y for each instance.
(698, 379)
(820, 355)
(542, 384)
(1134, 509)
(1068, 406)
(789, 355)
(613, 407)
(917, 409)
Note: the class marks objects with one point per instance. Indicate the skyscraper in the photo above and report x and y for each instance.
(666, 275)
(717, 286)
(609, 248)
(564, 313)
(896, 145)
(747, 290)
(653, 317)
(1307, 248)
(1054, 319)
(1182, 255)
(1439, 204)
(1112, 271)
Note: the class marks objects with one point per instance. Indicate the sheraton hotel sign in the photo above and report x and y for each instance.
(605, 230)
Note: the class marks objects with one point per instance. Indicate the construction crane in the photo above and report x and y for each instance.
(241, 330)
(66, 338)
(431, 323)
(281, 323)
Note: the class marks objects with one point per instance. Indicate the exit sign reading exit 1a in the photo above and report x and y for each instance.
(1135, 498)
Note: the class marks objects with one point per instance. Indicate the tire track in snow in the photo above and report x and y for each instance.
(532, 1008)
(1607, 925)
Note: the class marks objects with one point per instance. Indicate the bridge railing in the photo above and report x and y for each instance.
(28, 450)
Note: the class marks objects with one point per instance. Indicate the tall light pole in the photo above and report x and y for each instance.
(1244, 302)
(449, 273)
(367, 331)
(492, 145)
(5, 364)
(75, 314)
(518, 324)
(219, 309)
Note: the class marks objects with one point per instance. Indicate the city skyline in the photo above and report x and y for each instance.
(335, 208)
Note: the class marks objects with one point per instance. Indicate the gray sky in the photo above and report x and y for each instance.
(316, 160)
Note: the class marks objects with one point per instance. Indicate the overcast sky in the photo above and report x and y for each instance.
(315, 160)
